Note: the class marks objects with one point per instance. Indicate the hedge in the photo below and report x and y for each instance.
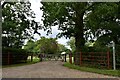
(12, 55)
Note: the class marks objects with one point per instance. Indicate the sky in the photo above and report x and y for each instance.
(35, 6)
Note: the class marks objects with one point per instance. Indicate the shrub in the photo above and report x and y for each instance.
(12, 55)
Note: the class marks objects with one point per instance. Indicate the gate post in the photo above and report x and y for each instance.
(80, 58)
(8, 58)
(65, 57)
(31, 57)
(70, 58)
(108, 59)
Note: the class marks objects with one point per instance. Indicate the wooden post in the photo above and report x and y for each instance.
(80, 58)
(31, 57)
(70, 58)
(65, 57)
(108, 59)
(74, 57)
(8, 58)
(93, 58)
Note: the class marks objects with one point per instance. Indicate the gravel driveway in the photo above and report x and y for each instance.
(47, 69)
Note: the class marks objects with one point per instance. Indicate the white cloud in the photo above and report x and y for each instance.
(35, 6)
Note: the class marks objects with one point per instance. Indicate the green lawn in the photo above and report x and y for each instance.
(35, 60)
(94, 70)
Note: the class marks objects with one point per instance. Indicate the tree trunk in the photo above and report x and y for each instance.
(79, 39)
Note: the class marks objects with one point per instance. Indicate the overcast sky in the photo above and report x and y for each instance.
(35, 6)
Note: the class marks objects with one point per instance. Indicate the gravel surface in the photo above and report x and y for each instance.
(47, 69)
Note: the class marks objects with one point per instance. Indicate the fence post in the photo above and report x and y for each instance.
(92, 55)
(74, 57)
(70, 58)
(31, 57)
(65, 57)
(108, 59)
(80, 58)
(8, 58)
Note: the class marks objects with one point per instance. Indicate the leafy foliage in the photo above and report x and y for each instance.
(104, 22)
(16, 51)
(16, 23)
(44, 45)
(48, 45)
(71, 43)
(99, 18)
(30, 46)
(69, 18)
(61, 48)
(84, 20)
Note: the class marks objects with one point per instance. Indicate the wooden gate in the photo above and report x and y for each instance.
(94, 59)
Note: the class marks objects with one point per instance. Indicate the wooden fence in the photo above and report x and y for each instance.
(9, 58)
(94, 59)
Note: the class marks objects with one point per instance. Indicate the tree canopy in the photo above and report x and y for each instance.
(17, 23)
(104, 22)
(71, 43)
(45, 45)
(61, 48)
(48, 45)
(83, 20)
(30, 46)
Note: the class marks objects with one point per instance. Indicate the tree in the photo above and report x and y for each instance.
(62, 48)
(72, 21)
(16, 25)
(71, 43)
(43, 45)
(69, 17)
(104, 22)
(48, 45)
(30, 46)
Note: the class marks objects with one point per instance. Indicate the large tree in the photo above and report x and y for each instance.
(69, 17)
(47, 45)
(17, 23)
(74, 18)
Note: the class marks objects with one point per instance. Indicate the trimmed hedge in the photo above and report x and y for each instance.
(12, 55)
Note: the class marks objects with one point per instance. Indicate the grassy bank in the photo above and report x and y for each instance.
(94, 70)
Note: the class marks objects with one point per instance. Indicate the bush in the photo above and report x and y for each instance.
(12, 55)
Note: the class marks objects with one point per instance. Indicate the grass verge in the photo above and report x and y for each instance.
(22, 64)
(94, 70)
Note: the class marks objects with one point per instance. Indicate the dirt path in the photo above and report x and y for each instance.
(48, 69)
